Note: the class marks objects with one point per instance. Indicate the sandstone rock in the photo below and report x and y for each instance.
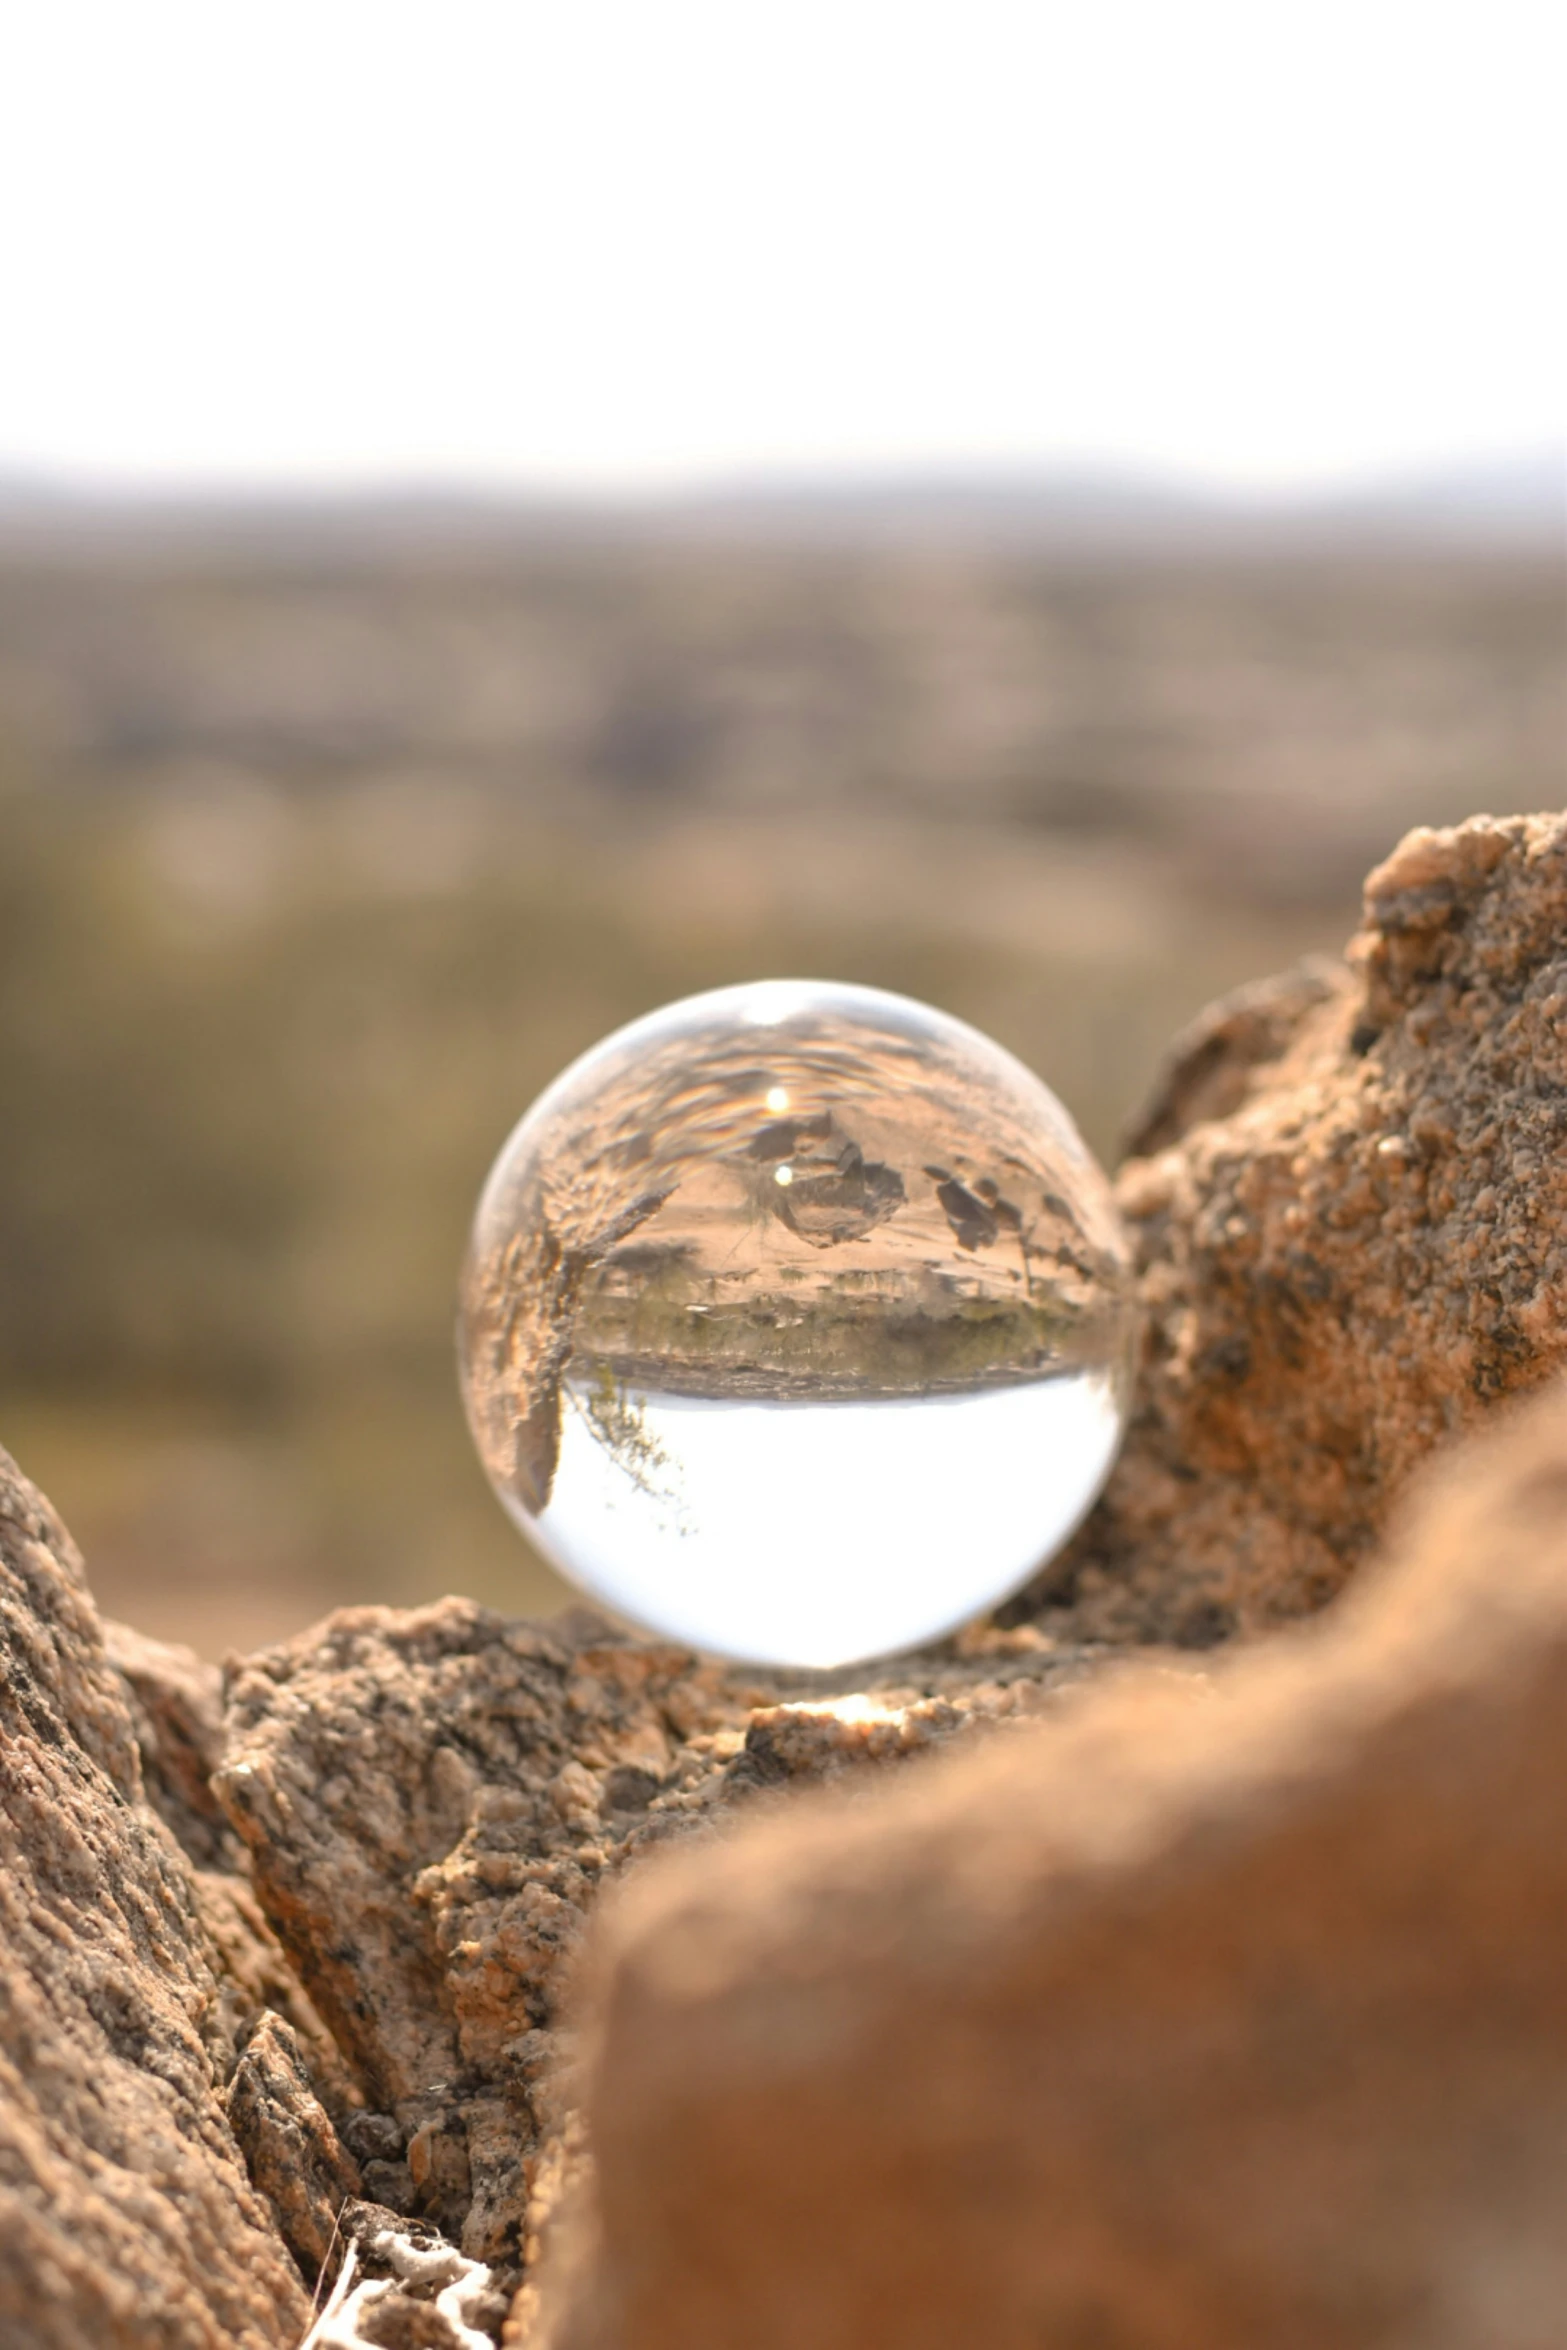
(1350, 1208)
(176, 1703)
(255, 1980)
(126, 2218)
(294, 2154)
(432, 1801)
(401, 2286)
(1217, 2018)
(1158, 1980)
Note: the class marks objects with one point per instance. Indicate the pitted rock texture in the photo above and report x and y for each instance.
(176, 1703)
(433, 1801)
(126, 2217)
(289, 2141)
(175, 1700)
(399, 2285)
(1231, 2019)
(1348, 1201)
(1350, 1213)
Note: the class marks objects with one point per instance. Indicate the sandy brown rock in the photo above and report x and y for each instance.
(1226, 2017)
(175, 1700)
(398, 2284)
(176, 1703)
(1348, 1199)
(1350, 1213)
(433, 1801)
(126, 2219)
(295, 2156)
(255, 1979)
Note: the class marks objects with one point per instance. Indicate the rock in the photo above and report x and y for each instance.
(401, 2286)
(126, 2218)
(1226, 2015)
(1350, 1212)
(176, 1703)
(295, 2156)
(1243, 1991)
(256, 1980)
(432, 1801)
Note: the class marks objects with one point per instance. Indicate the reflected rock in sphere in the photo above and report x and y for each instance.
(797, 1323)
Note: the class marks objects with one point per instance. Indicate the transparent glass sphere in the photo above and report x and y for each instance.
(796, 1323)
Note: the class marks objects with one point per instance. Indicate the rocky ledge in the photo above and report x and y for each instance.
(1130, 1977)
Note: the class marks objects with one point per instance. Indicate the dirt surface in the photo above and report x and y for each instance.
(1225, 2016)
(1350, 1217)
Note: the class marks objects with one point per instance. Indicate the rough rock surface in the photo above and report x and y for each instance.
(433, 1801)
(289, 2141)
(401, 2286)
(1229, 2019)
(1350, 1209)
(1348, 1199)
(176, 1705)
(126, 2218)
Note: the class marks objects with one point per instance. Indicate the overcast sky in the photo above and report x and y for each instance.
(612, 243)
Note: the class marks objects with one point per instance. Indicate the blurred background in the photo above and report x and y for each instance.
(504, 521)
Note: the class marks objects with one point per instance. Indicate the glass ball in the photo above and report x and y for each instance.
(797, 1323)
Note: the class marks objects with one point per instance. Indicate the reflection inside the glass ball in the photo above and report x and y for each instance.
(797, 1323)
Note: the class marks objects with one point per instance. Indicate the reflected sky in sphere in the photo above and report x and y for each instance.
(814, 1534)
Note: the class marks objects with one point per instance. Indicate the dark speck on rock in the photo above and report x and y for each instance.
(628, 1789)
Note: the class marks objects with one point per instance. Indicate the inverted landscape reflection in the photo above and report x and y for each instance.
(796, 1323)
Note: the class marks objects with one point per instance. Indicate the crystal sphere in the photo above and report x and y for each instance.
(796, 1323)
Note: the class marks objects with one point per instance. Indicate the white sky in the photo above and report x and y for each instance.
(609, 243)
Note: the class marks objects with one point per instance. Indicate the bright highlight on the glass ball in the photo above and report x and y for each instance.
(796, 1323)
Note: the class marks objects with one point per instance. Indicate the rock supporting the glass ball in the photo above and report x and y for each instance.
(796, 1322)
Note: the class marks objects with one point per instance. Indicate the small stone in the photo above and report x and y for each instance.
(374, 2137)
(391, 2184)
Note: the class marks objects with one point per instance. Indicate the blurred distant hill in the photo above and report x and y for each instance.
(327, 834)
(1259, 695)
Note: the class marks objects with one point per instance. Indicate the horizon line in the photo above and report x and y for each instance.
(1538, 470)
